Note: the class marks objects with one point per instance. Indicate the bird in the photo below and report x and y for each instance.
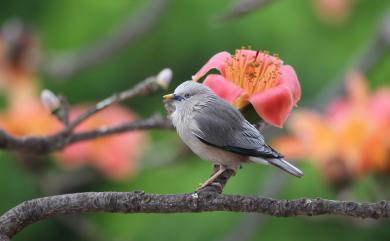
(216, 131)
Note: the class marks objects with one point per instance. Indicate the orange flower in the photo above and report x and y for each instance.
(25, 115)
(116, 156)
(28, 117)
(315, 134)
(19, 52)
(257, 78)
(351, 139)
(333, 11)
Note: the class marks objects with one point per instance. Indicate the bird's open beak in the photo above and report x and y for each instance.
(168, 97)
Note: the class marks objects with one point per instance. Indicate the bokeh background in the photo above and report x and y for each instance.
(322, 39)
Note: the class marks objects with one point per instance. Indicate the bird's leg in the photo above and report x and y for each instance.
(213, 177)
(216, 168)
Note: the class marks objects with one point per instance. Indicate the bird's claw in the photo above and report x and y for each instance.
(203, 185)
(216, 186)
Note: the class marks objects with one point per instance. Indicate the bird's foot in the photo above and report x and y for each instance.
(206, 184)
(214, 187)
(211, 180)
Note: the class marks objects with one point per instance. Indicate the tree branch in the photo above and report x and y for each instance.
(4, 238)
(154, 122)
(271, 187)
(45, 144)
(41, 145)
(145, 87)
(35, 210)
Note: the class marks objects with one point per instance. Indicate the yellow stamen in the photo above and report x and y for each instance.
(253, 73)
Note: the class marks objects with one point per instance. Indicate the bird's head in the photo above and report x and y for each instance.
(188, 94)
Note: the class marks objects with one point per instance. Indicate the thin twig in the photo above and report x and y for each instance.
(125, 35)
(145, 87)
(154, 122)
(243, 7)
(44, 145)
(35, 210)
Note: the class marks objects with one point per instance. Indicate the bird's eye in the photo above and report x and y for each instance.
(187, 95)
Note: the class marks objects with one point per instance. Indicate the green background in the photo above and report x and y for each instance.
(184, 38)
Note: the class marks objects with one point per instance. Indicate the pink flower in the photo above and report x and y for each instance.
(116, 156)
(254, 77)
(350, 140)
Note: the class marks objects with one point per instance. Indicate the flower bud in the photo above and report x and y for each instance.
(164, 78)
(49, 100)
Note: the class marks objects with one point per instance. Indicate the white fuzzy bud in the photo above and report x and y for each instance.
(164, 78)
(49, 100)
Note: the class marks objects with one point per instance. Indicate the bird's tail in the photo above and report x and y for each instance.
(279, 163)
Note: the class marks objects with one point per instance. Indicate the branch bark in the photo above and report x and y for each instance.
(35, 210)
(272, 186)
(145, 87)
(46, 144)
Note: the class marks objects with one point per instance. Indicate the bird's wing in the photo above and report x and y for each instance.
(220, 125)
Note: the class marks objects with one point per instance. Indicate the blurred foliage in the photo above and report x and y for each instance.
(183, 40)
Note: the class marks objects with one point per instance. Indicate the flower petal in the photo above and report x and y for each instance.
(218, 61)
(291, 147)
(338, 109)
(316, 135)
(273, 105)
(290, 79)
(379, 106)
(223, 88)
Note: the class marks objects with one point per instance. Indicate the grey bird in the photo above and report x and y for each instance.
(214, 130)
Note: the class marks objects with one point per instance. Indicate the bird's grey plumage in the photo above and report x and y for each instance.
(222, 126)
(217, 131)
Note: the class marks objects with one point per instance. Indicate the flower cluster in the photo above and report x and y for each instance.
(115, 155)
(25, 114)
(350, 140)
